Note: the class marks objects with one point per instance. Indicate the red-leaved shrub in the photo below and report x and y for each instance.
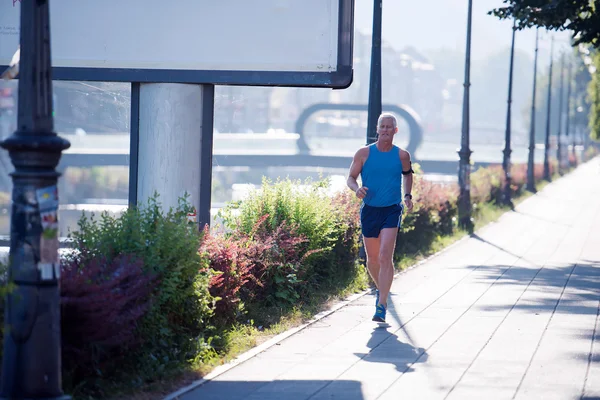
(235, 262)
(102, 303)
(434, 207)
(258, 269)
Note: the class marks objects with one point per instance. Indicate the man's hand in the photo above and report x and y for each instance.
(361, 192)
(409, 204)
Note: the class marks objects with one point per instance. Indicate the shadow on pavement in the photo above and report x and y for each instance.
(272, 390)
(580, 297)
(387, 348)
(393, 351)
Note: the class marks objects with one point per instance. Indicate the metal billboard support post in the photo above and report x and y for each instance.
(175, 164)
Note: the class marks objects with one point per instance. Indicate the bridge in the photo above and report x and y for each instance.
(436, 155)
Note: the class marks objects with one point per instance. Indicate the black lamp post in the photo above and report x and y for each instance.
(375, 81)
(568, 127)
(507, 148)
(559, 155)
(547, 142)
(31, 365)
(464, 166)
(530, 160)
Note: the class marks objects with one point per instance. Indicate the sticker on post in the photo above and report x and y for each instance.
(47, 198)
(49, 271)
(48, 207)
(49, 245)
(49, 219)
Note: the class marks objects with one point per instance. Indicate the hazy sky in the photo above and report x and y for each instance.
(435, 24)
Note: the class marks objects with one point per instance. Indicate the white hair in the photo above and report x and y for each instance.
(387, 115)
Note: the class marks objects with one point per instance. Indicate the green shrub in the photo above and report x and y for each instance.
(331, 235)
(175, 330)
(345, 251)
(433, 215)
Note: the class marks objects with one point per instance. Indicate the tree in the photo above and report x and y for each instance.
(582, 17)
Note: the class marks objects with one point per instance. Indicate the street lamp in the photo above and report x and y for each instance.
(589, 63)
(464, 166)
(547, 142)
(507, 149)
(530, 160)
(31, 365)
(569, 84)
(559, 156)
(375, 80)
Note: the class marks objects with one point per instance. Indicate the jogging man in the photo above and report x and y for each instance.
(381, 166)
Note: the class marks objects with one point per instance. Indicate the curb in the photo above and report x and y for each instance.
(282, 336)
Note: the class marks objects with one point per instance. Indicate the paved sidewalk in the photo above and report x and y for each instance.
(510, 313)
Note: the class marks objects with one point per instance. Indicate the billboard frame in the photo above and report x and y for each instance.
(341, 78)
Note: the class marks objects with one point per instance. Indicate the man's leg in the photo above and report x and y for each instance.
(372, 249)
(386, 263)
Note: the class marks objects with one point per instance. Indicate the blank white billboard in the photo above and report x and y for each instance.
(262, 42)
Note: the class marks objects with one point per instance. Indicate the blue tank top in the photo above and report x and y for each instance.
(382, 175)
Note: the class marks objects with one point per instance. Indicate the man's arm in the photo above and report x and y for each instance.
(355, 169)
(407, 171)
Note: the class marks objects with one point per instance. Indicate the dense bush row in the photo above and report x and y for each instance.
(146, 294)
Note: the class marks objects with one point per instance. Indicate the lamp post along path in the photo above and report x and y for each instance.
(570, 140)
(559, 147)
(531, 155)
(31, 365)
(464, 166)
(507, 139)
(548, 112)
(375, 79)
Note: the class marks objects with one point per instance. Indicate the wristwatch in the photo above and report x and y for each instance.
(408, 195)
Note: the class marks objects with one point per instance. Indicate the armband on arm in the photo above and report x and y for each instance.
(410, 171)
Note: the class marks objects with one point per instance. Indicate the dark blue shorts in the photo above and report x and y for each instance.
(374, 219)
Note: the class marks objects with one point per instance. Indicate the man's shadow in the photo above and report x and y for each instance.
(387, 348)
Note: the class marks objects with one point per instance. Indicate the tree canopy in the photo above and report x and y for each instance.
(582, 17)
